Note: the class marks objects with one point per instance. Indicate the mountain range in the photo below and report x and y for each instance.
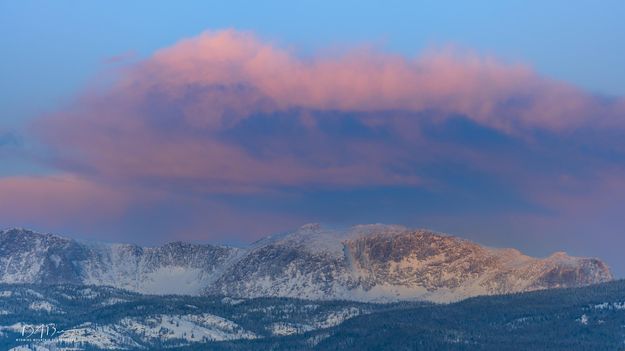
(369, 263)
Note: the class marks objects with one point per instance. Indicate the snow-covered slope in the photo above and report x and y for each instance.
(178, 268)
(367, 262)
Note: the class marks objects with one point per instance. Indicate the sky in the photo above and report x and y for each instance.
(148, 122)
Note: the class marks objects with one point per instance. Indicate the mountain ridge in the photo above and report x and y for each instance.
(365, 263)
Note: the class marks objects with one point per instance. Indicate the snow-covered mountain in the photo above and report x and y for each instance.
(367, 263)
(176, 268)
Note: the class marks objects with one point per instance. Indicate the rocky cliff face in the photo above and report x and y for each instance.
(369, 263)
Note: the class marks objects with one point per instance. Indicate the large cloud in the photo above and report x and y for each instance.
(227, 113)
(241, 75)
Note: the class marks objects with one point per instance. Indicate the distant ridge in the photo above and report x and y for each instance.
(364, 263)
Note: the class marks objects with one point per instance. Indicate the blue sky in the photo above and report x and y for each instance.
(504, 125)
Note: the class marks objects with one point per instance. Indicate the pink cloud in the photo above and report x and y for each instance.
(163, 122)
(493, 93)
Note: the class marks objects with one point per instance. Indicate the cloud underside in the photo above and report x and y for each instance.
(225, 113)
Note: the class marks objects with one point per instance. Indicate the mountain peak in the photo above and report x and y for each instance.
(16, 230)
(310, 227)
(28, 234)
(377, 227)
(561, 256)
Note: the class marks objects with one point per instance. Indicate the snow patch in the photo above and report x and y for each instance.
(42, 306)
(610, 306)
(192, 328)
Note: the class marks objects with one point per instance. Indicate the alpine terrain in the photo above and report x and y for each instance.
(369, 263)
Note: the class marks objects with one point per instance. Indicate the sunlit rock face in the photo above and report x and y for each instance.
(367, 263)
